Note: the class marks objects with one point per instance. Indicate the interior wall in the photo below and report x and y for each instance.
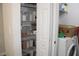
(2, 46)
(72, 17)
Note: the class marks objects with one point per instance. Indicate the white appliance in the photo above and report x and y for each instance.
(67, 46)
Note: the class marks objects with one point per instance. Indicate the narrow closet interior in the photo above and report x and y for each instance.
(28, 29)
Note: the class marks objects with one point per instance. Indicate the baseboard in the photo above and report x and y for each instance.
(2, 54)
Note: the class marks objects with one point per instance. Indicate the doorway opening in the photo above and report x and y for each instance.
(28, 29)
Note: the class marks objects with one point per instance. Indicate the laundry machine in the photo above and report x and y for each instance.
(67, 46)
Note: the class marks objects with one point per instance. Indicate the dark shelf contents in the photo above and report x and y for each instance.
(28, 29)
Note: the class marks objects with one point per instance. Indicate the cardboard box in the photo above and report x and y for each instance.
(24, 44)
(23, 34)
(68, 30)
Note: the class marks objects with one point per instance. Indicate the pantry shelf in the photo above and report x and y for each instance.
(29, 50)
(31, 37)
(28, 29)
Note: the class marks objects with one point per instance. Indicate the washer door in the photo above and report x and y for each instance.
(72, 50)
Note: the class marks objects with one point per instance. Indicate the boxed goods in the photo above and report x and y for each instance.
(23, 34)
(68, 30)
(24, 44)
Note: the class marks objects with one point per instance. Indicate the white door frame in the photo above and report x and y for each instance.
(54, 28)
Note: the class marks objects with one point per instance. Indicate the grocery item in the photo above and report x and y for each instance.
(68, 30)
(23, 34)
(61, 35)
(24, 44)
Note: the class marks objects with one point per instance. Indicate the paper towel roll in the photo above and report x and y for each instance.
(24, 18)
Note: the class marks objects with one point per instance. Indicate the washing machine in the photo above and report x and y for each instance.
(67, 46)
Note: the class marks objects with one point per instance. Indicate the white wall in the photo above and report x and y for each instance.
(12, 29)
(72, 17)
(2, 47)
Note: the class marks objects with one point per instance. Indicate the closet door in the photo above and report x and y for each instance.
(12, 29)
(47, 29)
